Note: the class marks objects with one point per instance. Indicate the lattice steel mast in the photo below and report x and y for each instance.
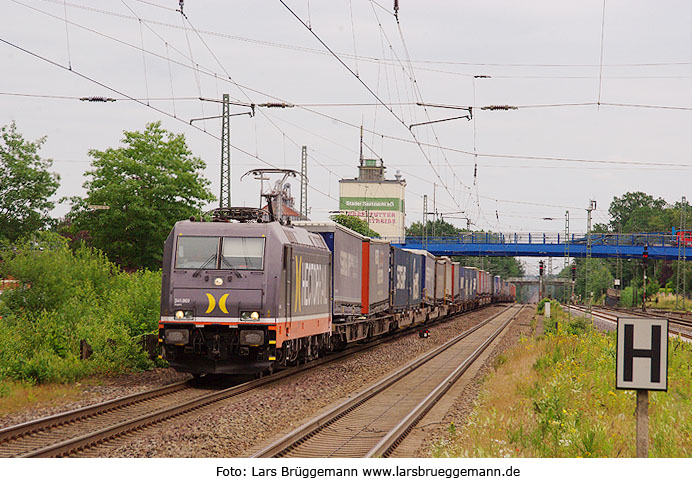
(680, 284)
(304, 183)
(225, 191)
(587, 296)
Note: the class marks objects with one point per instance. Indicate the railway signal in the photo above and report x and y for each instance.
(540, 268)
(574, 272)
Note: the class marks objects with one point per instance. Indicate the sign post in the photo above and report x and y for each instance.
(642, 365)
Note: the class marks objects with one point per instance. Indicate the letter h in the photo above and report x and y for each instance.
(654, 353)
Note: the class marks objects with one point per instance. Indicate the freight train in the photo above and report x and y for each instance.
(240, 297)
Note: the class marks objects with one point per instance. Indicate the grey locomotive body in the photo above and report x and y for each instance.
(239, 297)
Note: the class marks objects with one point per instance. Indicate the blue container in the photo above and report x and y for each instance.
(407, 279)
(428, 276)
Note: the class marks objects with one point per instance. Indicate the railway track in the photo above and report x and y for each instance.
(68, 433)
(677, 326)
(372, 423)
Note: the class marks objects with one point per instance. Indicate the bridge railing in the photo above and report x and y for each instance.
(650, 239)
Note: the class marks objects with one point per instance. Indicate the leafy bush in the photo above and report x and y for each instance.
(627, 297)
(554, 305)
(65, 297)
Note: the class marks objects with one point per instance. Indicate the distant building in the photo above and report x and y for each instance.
(288, 210)
(378, 201)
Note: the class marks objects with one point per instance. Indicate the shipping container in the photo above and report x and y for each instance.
(488, 283)
(470, 283)
(347, 250)
(497, 287)
(406, 269)
(428, 276)
(449, 280)
(475, 281)
(379, 276)
(417, 267)
(456, 282)
(442, 267)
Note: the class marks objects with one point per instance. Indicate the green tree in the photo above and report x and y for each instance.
(26, 185)
(638, 212)
(600, 277)
(355, 223)
(435, 228)
(148, 184)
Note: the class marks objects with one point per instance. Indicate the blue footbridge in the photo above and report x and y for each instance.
(666, 246)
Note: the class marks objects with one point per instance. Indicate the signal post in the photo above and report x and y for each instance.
(642, 365)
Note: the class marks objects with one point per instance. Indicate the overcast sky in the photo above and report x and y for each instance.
(535, 52)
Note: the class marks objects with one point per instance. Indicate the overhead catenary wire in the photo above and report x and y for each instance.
(380, 60)
(375, 105)
(417, 89)
(609, 162)
(152, 107)
(373, 94)
(266, 116)
(67, 36)
(600, 69)
(194, 67)
(144, 62)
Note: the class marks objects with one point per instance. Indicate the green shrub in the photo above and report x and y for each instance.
(627, 297)
(66, 297)
(554, 305)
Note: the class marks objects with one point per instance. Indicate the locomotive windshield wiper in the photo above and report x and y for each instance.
(230, 266)
(204, 265)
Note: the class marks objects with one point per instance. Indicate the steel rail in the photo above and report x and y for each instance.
(32, 426)
(72, 445)
(612, 317)
(308, 429)
(394, 437)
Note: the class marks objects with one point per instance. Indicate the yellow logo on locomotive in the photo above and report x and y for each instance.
(212, 303)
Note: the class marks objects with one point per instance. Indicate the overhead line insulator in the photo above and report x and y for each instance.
(97, 99)
(499, 107)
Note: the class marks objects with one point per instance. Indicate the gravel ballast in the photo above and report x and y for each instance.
(107, 389)
(240, 426)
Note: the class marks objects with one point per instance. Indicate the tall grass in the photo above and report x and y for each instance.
(555, 396)
(66, 297)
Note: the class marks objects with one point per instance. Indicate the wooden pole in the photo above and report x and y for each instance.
(642, 413)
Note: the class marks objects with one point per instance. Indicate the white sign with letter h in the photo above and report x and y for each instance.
(642, 354)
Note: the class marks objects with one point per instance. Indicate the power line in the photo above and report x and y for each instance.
(600, 70)
(366, 104)
(194, 67)
(486, 155)
(376, 59)
(122, 94)
(501, 156)
(348, 68)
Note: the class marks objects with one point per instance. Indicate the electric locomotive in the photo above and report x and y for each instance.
(241, 297)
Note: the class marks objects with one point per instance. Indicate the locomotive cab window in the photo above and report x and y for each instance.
(196, 252)
(243, 253)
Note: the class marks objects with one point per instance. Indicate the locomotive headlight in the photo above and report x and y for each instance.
(218, 281)
(184, 315)
(249, 315)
